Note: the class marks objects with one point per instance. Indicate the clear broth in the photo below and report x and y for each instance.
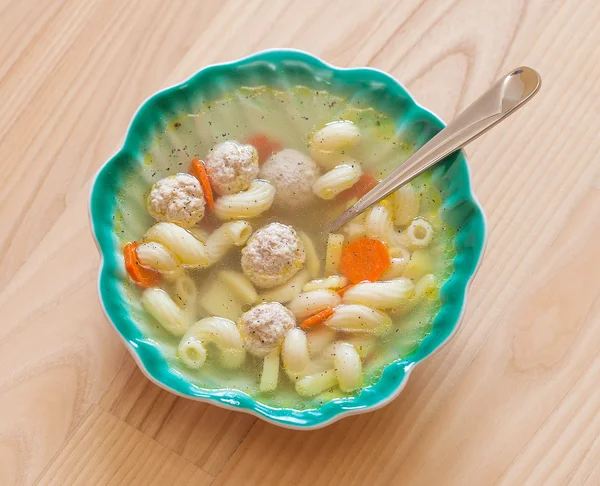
(289, 117)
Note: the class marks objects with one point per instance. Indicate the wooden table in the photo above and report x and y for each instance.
(513, 399)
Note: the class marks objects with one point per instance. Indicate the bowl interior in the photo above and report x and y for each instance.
(167, 132)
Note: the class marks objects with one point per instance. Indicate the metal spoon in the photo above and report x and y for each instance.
(507, 95)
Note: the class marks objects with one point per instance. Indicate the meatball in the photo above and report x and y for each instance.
(177, 199)
(273, 255)
(264, 327)
(231, 167)
(293, 175)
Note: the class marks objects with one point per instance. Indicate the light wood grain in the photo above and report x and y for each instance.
(105, 450)
(512, 400)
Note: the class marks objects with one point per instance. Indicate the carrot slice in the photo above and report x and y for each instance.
(343, 290)
(264, 146)
(317, 318)
(199, 172)
(358, 190)
(364, 259)
(142, 276)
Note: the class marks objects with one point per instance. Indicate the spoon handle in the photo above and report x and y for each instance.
(507, 95)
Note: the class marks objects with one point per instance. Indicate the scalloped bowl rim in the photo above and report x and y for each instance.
(260, 414)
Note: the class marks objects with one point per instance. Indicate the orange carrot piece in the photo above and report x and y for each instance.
(358, 190)
(199, 172)
(317, 318)
(343, 290)
(364, 259)
(142, 276)
(264, 146)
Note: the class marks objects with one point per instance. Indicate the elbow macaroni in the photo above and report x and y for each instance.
(218, 299)
(287, 291)
(309, 303)
(247, 204)
(338, 179)
(319, 339)
(359, 318)
(326, 145)
(294, 351)
(336, 135)
(331, 282)
(223, 333)
(158, 257)
(162, 307)
(400, 257)
(225, 237)
(270, 372)
(427, 288)
(378, 223)
(381, 295)
(406, 205)
(240, 285)
(312, 385)
(181, 243)
(356, 228)
(348, 368)
(419, 233)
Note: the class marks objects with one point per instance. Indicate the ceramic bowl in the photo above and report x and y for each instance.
(117, 213)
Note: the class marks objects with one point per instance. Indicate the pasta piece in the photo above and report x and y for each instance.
(335, 245)
(359, 318)
(398, 263)
(420, 264)
(309, 303)
(319, 338)
(313, 264)
(314, 367)
(348, 368)
(419, 233)
(168, 314)
(337, 180)
(240, 285)
(187, 293)
(336, 136)
(356, 228)
(188, 250)
(381, 295)
(427, 288)
(331, 282)
(312, 385)
(199, 233)
(327, 159)
(247, 204)
(223, 333)
(225, 237)
(287, 291)
(400, 252)
(363, 343)
(217, 299)
(294, 351)
(406, 205)
(158, 257)
(378, 223)
(270, 372)
(395, 238)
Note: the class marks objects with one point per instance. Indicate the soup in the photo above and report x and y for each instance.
(231, 272)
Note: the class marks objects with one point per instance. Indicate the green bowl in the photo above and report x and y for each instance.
(277, 68)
